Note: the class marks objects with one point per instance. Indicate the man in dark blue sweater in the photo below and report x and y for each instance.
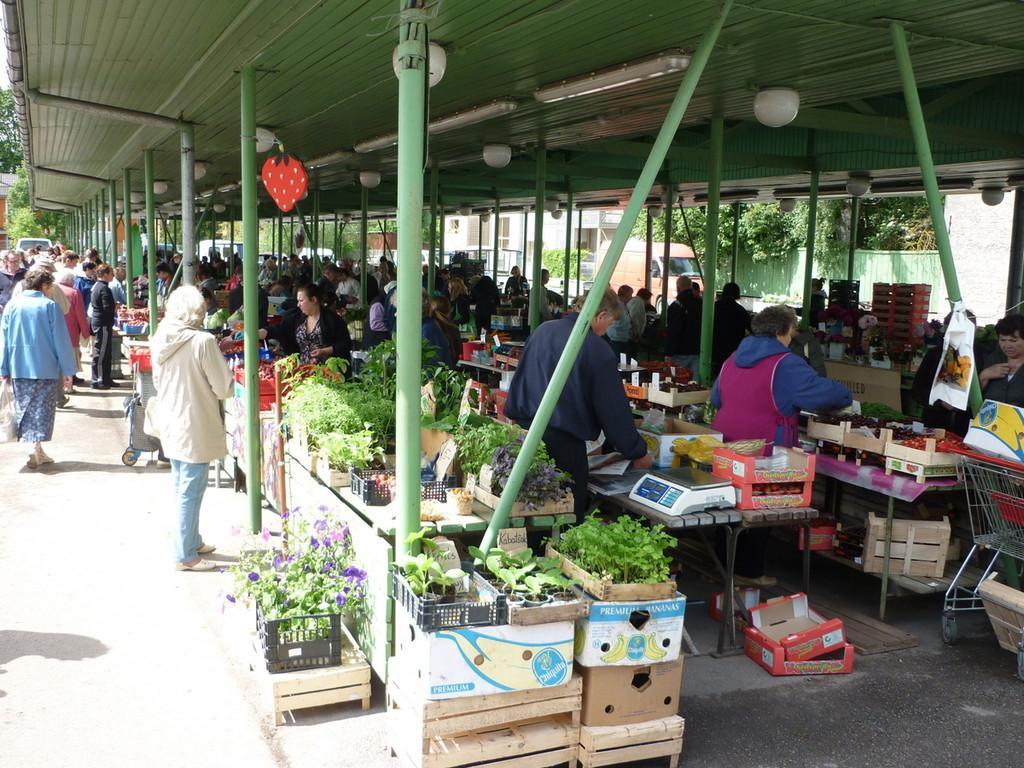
(593, 399)
(101, 319)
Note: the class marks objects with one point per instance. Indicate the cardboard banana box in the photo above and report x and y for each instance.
(630, 633)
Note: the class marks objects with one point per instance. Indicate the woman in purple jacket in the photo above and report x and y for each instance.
(759, 395)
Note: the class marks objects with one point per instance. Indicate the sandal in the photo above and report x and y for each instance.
(198, 565)
(205, 549)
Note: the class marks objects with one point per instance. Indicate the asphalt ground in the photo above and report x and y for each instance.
(109, 657)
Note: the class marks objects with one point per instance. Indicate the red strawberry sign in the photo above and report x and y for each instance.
(285, 179)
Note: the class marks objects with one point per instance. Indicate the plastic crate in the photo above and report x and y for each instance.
(364, 483)
(300, 642)
(141, 359)
(134, 329)
(431, 616)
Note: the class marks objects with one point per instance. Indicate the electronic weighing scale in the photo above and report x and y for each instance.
(682, 491)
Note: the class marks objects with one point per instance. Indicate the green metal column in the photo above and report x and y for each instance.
(231, 253)
(188, 205)
(213, 217)
(812, 225)
(526, 228)
(432, 243)
(317, 264)
(497, 235)
(854, 223)
(129, 270)
(112, 212)
(150, 239)
(440, 236)
(568, 242)
(735, 241)
(579, 243)
(707, 317)
(479, 236)
(659, 150)
(411, 110)
(931, 185)
(649, 249)
(666, 258)
(101, 238)
(250, 298)
(364, 204)
(538, 238)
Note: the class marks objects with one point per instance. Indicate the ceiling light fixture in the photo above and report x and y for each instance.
(655, 211)
(219, 207)
(198, 169)
(776, 107)
(137, 197)
(787, 204)
(265, 139)
(159, 187)
(858, 184)
(992, 195)
(557, 214)
(497, 155)
(485, 217)
(551, 204)
(438, 63)
(465, 210)
(614, 77)
(444, 124)
(369, 179)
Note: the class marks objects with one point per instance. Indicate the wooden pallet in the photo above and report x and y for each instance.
(307, 688)
(521, 729)
(617, 744)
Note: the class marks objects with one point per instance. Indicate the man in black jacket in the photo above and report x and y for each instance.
(103, 314)
(683, 332)
(593, 399)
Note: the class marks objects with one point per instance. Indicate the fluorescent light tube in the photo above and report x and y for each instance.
(444, 124)
(615, 77)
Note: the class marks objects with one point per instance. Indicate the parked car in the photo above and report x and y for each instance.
(41, 243)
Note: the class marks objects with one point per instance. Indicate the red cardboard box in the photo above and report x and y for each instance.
(821, 538)
(772, 658)
(751, 470)
(788, 624)
(751, 596)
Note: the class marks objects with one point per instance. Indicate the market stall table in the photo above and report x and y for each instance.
(893, 486)
(614, 491)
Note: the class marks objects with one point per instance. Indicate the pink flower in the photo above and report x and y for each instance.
(265, 533)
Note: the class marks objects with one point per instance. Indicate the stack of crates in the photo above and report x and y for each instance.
(900, 308)
(845, 293)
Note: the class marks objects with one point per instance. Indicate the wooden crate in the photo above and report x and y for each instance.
(1005, 608)
(617, 744)
(921, 472)
(606, 590)
(303, 689)
(332, 478)
(831, 433)
(861, 442)
(676, 398)
(522, 729)
(919, 548)
(930, 456)
(520, 509)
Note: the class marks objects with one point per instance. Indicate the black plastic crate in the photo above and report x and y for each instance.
(431, 616)
(300, 642)
(366, 487)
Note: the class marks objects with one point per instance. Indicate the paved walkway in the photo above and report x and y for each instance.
(109, 657)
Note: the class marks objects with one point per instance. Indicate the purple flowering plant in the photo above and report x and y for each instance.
(543, 482)
(315, 573)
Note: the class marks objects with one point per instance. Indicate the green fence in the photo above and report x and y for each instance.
(786, 278)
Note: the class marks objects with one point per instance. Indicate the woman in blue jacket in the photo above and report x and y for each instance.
(35, 358)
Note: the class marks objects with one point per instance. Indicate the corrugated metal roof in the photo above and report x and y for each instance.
(325, 79)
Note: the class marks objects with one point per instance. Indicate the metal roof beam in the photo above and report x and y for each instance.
(898, 128)
(104, 110)
(642, 149)
(68, 174)
(954, 95)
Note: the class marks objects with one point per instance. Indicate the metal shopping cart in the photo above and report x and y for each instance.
(995, 501)
(135, 409)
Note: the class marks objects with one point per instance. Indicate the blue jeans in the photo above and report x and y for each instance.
(189, 481)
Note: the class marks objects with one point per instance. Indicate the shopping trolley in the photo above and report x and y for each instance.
(135, 409)
(995, 502)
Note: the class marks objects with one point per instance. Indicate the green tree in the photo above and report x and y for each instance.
(23, 221)
(553, 260)
(10, 135)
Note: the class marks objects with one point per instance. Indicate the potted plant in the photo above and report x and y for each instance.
(302, 592)
(427, 578)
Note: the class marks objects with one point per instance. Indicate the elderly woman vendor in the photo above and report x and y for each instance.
(759, 395)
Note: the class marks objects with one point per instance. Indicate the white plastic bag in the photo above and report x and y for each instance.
(952, 383)
(9, 426)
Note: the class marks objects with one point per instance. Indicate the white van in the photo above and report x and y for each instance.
(42, 243)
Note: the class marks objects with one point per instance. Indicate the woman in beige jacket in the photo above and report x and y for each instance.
(191, 379)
